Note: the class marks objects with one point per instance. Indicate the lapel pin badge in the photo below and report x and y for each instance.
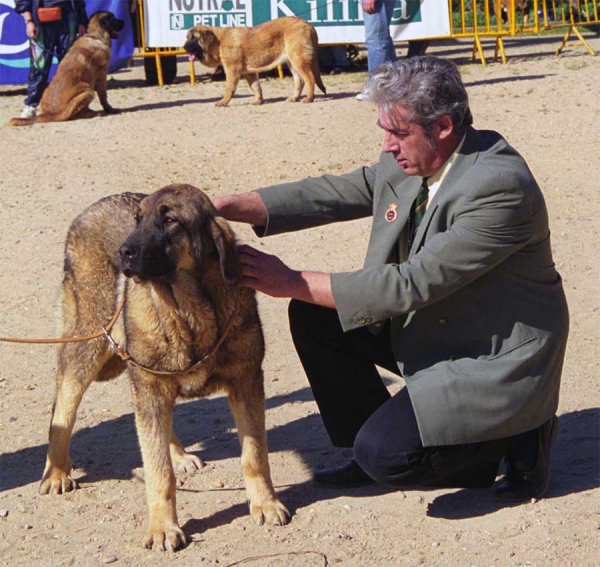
(391, 214)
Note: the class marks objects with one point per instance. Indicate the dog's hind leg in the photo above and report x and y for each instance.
(182, 460)
(254, 85)
(304, 69)
(79, 365)
(248, 412)
(76, 108)
(298, 84)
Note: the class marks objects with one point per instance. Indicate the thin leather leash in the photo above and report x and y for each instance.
(103, 332)
(120, 351)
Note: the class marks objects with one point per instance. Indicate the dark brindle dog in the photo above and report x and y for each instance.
(178, 270)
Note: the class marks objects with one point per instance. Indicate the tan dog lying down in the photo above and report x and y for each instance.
(246, 52)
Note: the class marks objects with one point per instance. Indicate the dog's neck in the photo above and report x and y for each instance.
(99, 35)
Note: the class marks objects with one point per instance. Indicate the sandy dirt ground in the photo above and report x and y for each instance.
(547, 106)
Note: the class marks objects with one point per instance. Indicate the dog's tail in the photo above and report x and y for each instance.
(22, 121)
(319, 83)
(315, 61)
(40, 118)
(45, 117)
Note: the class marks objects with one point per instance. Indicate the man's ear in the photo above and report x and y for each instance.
(445, 127)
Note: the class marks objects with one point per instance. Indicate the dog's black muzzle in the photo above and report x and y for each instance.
(193, 48)
(144, 258)
(130, 255)
(116, 28)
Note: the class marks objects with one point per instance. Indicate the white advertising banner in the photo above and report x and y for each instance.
(336, 21)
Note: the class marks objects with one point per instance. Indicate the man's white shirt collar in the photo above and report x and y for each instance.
(435, 181)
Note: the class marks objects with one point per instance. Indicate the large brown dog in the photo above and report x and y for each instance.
(246, 52)
(185, 315)
(81, 72)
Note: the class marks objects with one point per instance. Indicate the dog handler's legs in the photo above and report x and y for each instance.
(182, 460)
(341, 368)
(248, 413)
(255, 87)
(154, 400)
(388, 448)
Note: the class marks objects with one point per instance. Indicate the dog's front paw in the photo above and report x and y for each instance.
(165, 538)
(56, 481)
(271, 512)
(293, 99)
(111, 110)
(221, 102)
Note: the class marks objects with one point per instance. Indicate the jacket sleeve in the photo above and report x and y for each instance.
(318, 201)
(493, 221)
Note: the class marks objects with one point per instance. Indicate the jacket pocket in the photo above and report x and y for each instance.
(512, 348)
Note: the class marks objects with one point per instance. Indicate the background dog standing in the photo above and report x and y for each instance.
(246, 52)
(82, 71)
(184, 315)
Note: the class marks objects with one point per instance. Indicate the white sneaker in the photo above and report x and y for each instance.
(362, 96)
(28, 112)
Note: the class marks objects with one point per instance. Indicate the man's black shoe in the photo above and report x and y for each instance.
(349, 475)
(520, 484)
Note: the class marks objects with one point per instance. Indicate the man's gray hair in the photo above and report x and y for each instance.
(429, 87)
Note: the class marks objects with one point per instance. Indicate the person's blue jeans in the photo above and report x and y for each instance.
(53, 39)
(378, 41)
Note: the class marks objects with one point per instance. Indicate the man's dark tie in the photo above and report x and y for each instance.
(418, 208)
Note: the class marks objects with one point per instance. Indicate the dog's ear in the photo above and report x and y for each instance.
(223, 241)
(205, 38)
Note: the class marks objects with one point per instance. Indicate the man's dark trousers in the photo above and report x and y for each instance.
(359, 412)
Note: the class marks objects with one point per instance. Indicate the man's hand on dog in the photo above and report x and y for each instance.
(268, 274)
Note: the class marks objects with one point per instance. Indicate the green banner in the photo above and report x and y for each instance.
(329, 12)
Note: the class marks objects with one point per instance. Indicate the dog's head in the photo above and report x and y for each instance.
(178, 230)
(104, 22)
(198, 40)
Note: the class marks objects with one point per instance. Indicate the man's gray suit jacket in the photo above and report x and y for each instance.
(479, 320)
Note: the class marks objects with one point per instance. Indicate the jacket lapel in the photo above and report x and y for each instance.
(388, 237)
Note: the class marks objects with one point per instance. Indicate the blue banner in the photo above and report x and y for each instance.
(14, 45)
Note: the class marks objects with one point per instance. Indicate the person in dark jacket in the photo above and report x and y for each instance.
(47, 39)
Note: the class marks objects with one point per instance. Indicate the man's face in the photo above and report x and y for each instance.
(407, 142)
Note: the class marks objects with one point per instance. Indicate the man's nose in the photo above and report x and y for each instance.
(390, 142)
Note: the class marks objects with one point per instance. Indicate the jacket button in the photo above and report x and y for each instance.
(443, 322)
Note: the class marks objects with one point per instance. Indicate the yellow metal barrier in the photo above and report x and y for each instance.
(501, 18)
(156, 52)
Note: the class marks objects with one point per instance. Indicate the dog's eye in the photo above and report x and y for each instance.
(170, 220)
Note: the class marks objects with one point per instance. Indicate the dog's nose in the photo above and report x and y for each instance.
(128, 251)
